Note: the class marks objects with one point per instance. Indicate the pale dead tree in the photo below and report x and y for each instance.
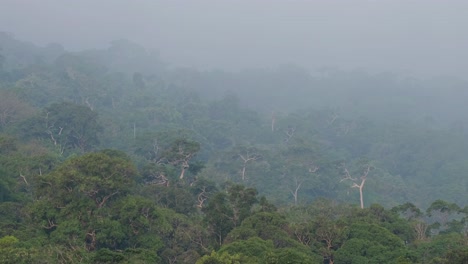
(361, 186)
(183, 152)
(297, 183)
(55, 139)
(89, 104)
(24, 178)
(51, 134)
(273, 121)
(358, 183)
(248, 157)
(202, 197)
(54, 133)
(295, 190)
(61, 149)
(347, 176)
(332, 119)
(289, 133)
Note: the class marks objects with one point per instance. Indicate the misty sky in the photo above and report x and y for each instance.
(427, 37)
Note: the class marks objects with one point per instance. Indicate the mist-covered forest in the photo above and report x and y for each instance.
(113, 156)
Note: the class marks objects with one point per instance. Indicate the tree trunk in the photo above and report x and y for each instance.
(184, 167)
(243, 172)
(360, 193)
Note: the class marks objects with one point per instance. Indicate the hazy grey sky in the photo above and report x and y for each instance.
(421, 36)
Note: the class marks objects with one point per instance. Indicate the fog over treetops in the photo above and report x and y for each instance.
(422, 38)
(265, 132)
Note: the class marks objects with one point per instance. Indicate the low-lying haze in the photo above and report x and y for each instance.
(412, 37)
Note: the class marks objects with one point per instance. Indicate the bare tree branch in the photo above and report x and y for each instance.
(246, 159)
(296, 189)
(360, 186)
(24, 178)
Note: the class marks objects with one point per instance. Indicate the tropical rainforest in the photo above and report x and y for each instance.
(112, 156)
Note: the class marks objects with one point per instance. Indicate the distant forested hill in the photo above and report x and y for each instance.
(113, 156)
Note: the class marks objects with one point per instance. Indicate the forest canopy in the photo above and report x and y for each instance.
(106, 158)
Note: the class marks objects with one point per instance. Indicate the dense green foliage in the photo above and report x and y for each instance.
(107, 158)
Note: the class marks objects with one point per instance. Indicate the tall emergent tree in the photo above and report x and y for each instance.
(358, 182)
